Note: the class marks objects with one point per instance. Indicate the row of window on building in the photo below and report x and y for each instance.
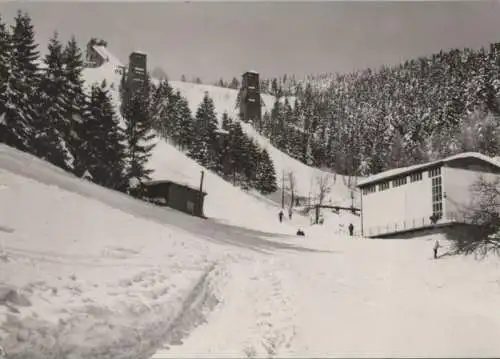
(400, 181)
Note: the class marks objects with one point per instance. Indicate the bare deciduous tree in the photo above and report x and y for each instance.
(323, 183)
(324, 187)
(292, 185)
(481, 235)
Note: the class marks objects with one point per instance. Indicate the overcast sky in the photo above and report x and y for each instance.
(214, 39)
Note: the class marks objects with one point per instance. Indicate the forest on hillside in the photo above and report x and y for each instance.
(47, 110)
(369, 121)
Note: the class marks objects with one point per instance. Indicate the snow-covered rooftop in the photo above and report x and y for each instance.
(402, 170)
(103, 51)
(179, 183)
(251, 72)
(140, 52)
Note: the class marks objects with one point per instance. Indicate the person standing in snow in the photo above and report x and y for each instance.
(281, 216)
(351, 229)
(290, 214)
(436, 247)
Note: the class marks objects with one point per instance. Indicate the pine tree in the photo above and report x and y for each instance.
(74, 111)
(138, 132)
(5, 54)
(266, 174)
(18, 109)
(103, 141)
(278, 123)
(161, 109)
(251, 161)
(185, 130)
(235, 84)
(52, 104)
(235, 156)
(205, 142)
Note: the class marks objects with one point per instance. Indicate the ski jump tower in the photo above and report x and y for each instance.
(250, 106)
(137, 70)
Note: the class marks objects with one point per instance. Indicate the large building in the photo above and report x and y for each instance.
(423, 199)
(137, 70)
(250, 105)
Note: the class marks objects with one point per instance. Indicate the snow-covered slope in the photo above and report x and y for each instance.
(86, 272)
(169, 163)
(90, 272)
(80, 266)
(225, 101)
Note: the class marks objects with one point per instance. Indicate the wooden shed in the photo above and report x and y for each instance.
(175, 195)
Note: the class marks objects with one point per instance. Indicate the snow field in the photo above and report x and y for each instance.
(354, 298)
(90, 273)
(80, 279)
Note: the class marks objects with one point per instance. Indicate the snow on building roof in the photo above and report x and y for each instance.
(139, 52)
(251, 72)
(182, 184)
(108, 56)
(402, 170)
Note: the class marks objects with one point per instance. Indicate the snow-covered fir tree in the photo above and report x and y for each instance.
(204, 148)
(51, 125)
(184, 131)
(103, 140)
(5, 53)
(266, 174)
(75, 105)
(161, 109)
(135, 110)
(22, 82)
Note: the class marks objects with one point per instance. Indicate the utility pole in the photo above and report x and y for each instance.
(201, 194)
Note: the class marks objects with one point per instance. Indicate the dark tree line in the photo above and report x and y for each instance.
(369, 121)
(227, 151)
(46, 111)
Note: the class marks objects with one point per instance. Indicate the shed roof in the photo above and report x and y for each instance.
(155, 182)
(403, 170)
(251, 72)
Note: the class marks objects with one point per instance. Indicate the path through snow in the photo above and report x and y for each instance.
(359, 298)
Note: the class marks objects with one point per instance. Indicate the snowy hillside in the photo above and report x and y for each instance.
(82, 266)
(86, 272)
(169, 163)
(225, 101)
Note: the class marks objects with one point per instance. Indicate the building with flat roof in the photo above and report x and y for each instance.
(422, 199)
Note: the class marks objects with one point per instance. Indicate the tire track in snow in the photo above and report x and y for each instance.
(256, 316)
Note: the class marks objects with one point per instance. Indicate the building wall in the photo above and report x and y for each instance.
(457, 183)
(398, 207)
(250, 106)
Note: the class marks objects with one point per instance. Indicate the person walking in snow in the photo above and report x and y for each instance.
(290, 214)
(281, 216)
(351, 229)
(436, 247)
